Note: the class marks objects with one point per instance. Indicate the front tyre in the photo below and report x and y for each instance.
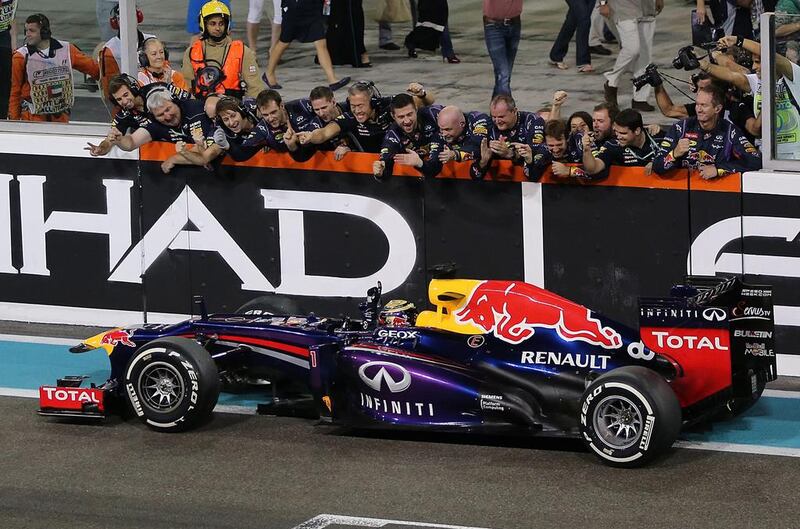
(629, 416)
(172, 384)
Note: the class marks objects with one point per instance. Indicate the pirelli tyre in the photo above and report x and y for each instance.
(629, 416)
(172, 384)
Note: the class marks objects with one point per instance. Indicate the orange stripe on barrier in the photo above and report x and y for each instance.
(500, 171)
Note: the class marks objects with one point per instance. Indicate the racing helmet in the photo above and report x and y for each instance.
(397, 313)
(214, 7)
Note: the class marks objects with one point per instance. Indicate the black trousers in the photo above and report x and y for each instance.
(346, 32)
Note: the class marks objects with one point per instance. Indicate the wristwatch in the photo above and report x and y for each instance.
(739, 41)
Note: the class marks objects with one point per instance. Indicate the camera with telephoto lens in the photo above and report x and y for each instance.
(649, 77)
(686, 59)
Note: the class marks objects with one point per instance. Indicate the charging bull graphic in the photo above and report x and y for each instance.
(117, 336)
(512, 311)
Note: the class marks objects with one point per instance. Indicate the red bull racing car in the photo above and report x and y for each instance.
(494, 356)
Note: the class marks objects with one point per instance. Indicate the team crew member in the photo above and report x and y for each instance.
(463, 137)
(41, 74)
(633, 146)
(172, 121)
(365, 125)
(273, 131)
(128, 99)
(237, 125)
(602, 117)
(7, 44)
(216, 63)
(154, 68)
(511, 126)
(561, 150)
(707, 142)
(410, 140)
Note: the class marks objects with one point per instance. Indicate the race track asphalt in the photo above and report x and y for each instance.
(262, 472)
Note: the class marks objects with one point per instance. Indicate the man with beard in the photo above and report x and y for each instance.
(409, 139)
(707, 142)
(602, 117)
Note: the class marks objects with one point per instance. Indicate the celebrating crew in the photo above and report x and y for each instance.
(707, 142)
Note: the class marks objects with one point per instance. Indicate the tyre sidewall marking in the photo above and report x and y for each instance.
(596, 443)
(181, 363)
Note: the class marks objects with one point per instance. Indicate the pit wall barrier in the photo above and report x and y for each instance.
(114, 241)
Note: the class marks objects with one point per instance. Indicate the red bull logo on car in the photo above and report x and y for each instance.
(512, 310)
(117, 336)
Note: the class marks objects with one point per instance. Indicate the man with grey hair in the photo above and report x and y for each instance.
(369, 117)
(176, 121)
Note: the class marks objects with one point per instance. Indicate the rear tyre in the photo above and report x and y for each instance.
(629, 416)
(172, 384)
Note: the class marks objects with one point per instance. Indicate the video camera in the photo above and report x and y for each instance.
(686, 59)
(649, 77)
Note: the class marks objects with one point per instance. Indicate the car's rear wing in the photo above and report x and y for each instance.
(709, 304)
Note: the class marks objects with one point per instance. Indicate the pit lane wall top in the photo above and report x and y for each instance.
(102, 241)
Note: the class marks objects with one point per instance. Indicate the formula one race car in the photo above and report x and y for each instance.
(494, 357)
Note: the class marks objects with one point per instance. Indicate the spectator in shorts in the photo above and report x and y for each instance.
(254, 21)
(303, 20)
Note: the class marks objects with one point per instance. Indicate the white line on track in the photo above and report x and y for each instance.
(39, 339)
(324, 520)
(739, 448)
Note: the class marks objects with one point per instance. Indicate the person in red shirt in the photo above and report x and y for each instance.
(49, 63)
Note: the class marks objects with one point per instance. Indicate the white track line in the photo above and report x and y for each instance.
(739, 448)
(39, 339)
(324, 520)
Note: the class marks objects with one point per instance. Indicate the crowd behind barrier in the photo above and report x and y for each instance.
(217, 103)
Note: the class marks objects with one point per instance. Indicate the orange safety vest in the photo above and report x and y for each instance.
(231, 69)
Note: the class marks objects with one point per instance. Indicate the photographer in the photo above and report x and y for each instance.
(737, 108)
(708, 142)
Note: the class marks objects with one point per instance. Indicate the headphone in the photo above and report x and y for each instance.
(144, 62)
(155, 88)
(44, 25)
(368, 86)
(114, 17)
(131, 83)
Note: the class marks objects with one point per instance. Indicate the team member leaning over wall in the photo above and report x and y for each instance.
(707, 142)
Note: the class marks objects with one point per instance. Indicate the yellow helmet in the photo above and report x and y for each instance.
(214, 7)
